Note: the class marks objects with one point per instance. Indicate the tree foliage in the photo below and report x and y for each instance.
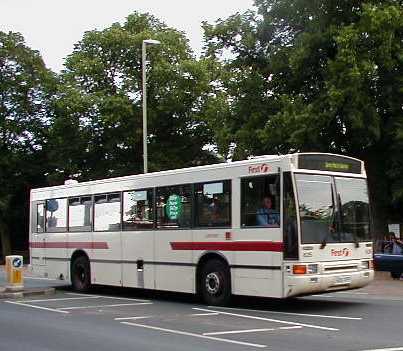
(26, 88)
(99, 103)
(324, 75)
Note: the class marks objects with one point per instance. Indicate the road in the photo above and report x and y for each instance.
(127, 319)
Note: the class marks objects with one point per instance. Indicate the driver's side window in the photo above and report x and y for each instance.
(260, 201)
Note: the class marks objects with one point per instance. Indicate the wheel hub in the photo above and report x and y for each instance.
(212, 283)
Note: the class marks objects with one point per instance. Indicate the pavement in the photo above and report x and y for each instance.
(130, 319)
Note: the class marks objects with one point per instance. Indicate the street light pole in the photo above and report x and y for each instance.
(144, 75)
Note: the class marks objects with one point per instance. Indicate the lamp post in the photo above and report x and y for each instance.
(144, 74)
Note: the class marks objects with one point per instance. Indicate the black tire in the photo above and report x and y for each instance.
(215, 283)
(395, 275)
(81, 274)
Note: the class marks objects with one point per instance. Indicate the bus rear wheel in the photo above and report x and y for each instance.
(215, 283)
(81, 274)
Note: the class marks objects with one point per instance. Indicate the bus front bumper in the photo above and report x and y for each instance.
(296, 285)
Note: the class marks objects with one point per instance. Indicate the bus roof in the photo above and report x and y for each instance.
(217, 166)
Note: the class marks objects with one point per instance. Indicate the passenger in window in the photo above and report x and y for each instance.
(214, 209)
(267, 215)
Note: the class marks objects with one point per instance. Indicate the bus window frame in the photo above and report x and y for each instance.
(152, 189)
(194, 213)
(61, 229)
(191, 226)
(89, 228)
(120, 209)
(43, 204)
(280, 226)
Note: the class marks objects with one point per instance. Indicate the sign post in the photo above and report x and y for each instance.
(14, 273)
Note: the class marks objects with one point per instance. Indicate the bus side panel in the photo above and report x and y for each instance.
(173, 268)
(138, 246)
(213, 236)
(56, 255)
(106, 262)
(266, 279)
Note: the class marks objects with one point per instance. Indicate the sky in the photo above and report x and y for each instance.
(54, 26)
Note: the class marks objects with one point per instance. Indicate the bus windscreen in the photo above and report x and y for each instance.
(333, 209)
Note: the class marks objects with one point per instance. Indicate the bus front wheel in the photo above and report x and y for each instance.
(215, 283)
(81, 274)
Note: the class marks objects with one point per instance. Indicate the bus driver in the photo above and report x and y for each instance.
(266, 215)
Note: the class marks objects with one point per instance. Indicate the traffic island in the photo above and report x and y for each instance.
(6, 293)
(14, 287)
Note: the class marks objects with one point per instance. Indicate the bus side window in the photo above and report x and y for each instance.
(213, 204)
(80, 213)
(174, 206)
(56, 215)
(260, 201)
(40, 218)
(107, 212)
(138, 209)
(290, 234)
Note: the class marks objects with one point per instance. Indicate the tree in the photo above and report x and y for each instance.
(327, 76)
(25, 89)
(99, 104)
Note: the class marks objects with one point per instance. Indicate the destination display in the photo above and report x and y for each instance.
(329, 163)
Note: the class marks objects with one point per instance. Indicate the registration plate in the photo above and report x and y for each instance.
(343, 279)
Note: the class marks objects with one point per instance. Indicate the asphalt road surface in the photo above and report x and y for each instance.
(111, 319)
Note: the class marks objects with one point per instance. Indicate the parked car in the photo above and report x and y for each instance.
(389, 263)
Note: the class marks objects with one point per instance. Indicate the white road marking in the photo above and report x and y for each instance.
(291, 313)
(131, 318)
(252, 330)
(194, 335)
(387, 349)
(63, 299)
(268, 319)
(109, 297)
(204, 314)
(38, 307)
(321, 295)
(99, 306)
(240, 331)
(351, 293)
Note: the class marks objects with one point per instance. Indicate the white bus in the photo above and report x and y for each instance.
(274, 226)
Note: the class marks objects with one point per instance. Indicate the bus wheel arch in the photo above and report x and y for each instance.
(213, 279)
(80, 271)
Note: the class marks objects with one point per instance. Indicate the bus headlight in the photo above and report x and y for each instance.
(312, 269)
(367, 264)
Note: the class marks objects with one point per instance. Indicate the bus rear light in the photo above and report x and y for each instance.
(299, 269)
(371, 264)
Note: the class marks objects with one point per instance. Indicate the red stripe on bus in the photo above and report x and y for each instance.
(229, 246)
(69, 245)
